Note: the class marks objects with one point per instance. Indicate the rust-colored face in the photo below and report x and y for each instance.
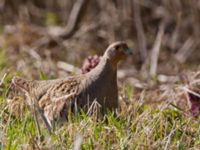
(118, 51)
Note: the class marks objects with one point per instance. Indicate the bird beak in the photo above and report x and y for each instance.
(128, 51)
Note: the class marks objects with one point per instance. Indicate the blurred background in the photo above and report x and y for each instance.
(55, 36)
(159, 86)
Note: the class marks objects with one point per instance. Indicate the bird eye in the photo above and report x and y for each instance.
(117, 47)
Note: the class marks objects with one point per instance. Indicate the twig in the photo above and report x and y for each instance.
(140, 31)
(175, 36)
(156, 50)
(75, 17)
(177, 108)
(2, 79)
(186, 50)
(168, 138)
(93, 109)
(167, 78)
(68, 67)
(190, 91)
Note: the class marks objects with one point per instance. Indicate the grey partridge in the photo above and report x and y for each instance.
(56, 97)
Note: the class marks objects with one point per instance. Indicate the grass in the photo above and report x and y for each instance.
(138, 125)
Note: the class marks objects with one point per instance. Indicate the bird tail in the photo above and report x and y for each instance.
(21, 83)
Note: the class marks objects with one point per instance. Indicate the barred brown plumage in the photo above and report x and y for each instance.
(56, 96)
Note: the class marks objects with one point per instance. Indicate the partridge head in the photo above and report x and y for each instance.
(116, 52)
(56, 97)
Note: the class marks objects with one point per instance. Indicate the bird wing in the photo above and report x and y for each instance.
(59, 97)
(53, 95)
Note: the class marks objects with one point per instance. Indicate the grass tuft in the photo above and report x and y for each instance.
(137, 125)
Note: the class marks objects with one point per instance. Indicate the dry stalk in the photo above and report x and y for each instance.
(2, 79)
(186, 50)
(140, 30)
(156, 50)
(75, 17)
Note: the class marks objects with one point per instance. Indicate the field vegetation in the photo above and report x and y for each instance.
(158, 85)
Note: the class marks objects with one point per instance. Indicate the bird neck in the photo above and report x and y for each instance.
(112, 60)
(104, 70)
